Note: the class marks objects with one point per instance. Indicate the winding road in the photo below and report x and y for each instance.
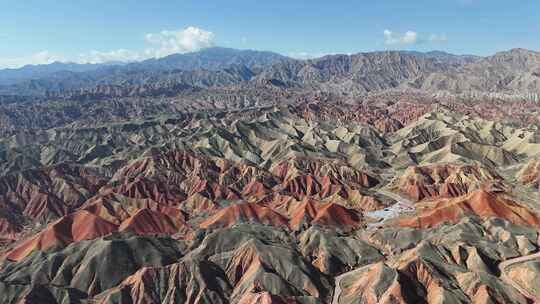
(396, 197)
(504, 265)
(402, 205)
(338, 290)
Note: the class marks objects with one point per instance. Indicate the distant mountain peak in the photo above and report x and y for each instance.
(512, 72)
(213, 58)
(521, 50)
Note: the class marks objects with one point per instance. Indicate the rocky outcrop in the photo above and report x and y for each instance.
(479, 203)
(444, 180)
(76, 227)
(300, 202)
(526, 275)
(244, 213)
(530, 174)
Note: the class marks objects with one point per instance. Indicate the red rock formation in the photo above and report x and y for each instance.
(366, 286)
(144, 188)
(9, 228)
(190, 181)
(48, 193)
(388, 111)
(304, 214)
(338, 216)
(445, 180)
(324, 214)
(244, 212)
(117, 208)
(147, 221)
(480, 203)
(530, 175)
(306, 171)
(305, 185)
(387, 125)
(183, 282)
(75, 227)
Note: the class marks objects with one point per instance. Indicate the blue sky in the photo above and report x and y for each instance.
(41, 31)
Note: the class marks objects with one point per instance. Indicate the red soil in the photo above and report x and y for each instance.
(147, 221)
(481, 203)
(245, 212)
(324, 214)
(75, 227)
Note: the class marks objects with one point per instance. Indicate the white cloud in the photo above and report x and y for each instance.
(410, 37)
(391, 38)
(185, 40)
(302, 55)
(116, 55)
(438, 38)
(307, 55)
(43, 57)
(164, 43)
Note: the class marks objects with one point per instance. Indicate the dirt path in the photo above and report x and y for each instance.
(337, 290)
(402, 205)
(397, 197)
(504, 265)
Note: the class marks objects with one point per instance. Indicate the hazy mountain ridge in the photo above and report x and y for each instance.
(215, 58)
(359, 73)
(13, 76)
(58, 77)
(513, 72)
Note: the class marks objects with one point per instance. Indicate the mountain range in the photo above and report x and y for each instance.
(246, 177)
(515, 72)
(215, 58)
